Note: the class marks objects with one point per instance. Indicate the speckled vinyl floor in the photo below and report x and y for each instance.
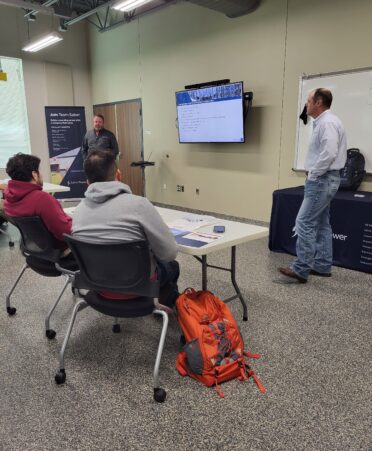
(315, 341)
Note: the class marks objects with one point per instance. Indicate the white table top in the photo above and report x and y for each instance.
(48, 187)
(235, 232)
(53, 188)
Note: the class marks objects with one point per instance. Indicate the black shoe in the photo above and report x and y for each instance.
(290, 273)
(320, 274)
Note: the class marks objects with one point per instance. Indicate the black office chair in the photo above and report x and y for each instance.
(117, 268)
(4, 223)
(42, 256)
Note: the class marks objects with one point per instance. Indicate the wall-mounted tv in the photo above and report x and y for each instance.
(211, 114)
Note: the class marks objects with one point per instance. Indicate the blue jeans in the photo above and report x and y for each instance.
(314, 233)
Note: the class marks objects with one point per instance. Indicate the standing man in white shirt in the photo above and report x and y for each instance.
(325, 157)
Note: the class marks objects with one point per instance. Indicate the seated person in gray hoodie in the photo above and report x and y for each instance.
(110, 212)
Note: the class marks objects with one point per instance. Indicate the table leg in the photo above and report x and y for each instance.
(204, 272)
(233, 280)
(232, 271)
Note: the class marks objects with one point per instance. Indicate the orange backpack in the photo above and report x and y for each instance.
(214, 349)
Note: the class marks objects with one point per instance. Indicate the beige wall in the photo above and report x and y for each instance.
(322, 37)
(58, 76)
(182, 44)
(269, 50)
(158, 54)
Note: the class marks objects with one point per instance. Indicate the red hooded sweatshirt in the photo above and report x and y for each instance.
(28, 199)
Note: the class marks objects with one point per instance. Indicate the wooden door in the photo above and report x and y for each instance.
(129, 134)
(124, 119)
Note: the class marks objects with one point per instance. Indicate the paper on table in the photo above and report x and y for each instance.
(205, 237)
(196, 239)
(190, 222)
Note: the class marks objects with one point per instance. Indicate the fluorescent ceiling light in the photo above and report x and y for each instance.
(42, 42)
(128, 5)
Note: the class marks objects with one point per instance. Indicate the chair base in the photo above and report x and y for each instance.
(159, 394)
(11, 311)
(50, 333)
(60, 377)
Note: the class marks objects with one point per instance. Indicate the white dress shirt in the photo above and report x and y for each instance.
(327, 148)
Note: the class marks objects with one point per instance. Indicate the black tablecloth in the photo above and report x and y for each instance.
(351, 221)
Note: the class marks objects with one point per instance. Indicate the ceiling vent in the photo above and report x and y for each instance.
(232, 8)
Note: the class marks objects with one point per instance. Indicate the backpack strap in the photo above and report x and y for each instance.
(243, 375)
(218, 388)
(250, 355)
(250, 373)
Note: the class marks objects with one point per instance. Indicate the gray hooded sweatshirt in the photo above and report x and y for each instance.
(110, 212)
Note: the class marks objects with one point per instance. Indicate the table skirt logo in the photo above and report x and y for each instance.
(335, 236)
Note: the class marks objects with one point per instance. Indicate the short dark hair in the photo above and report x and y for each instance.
(100, 166)
(99, 115)
(324, 95)
(21, 166)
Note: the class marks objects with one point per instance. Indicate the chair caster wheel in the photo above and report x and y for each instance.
(116, 328)
(11, 310)
(60, 377)
(50, 333)
(11, 243)
(245, 318)
(182, 340)
(159, 394)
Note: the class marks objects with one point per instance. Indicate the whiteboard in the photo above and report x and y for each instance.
(352, 103)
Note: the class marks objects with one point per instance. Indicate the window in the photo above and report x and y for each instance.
(14, 134)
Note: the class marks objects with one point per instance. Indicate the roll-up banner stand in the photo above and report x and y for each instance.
(66, 128)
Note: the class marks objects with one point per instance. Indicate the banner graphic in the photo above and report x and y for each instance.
(66, 128)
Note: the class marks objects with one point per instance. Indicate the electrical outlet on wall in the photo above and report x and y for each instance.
(180, 188)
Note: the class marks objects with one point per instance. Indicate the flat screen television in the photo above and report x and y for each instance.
(211, 114)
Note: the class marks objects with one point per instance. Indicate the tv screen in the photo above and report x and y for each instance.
(211, 114)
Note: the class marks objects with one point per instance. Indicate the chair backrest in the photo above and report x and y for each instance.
(117, 267)
(36, 238)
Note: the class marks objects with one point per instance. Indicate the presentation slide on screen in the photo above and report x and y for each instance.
(213, 114)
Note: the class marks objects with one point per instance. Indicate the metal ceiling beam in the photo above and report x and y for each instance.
(47, 3)
(89, 13)
(28, 6)
(129, 17)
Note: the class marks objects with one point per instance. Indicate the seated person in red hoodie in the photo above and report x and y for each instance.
(24, 197)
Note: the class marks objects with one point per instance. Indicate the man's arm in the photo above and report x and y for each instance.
(53, 216)
(161, 241)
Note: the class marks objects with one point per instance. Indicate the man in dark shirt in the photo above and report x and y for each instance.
(99, 138)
